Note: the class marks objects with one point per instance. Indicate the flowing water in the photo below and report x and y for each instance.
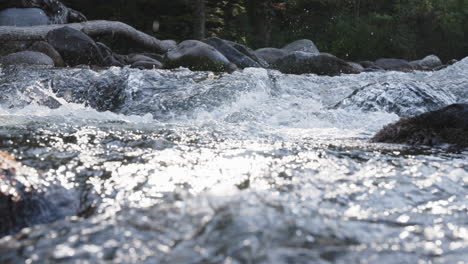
(153, 166)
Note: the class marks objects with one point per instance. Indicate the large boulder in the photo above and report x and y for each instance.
(197, 56)
(75, 47)
(304, 45)
(23, 17)
(47, 49)
(232, 54)
(322, 64)
(270, 55)
(430, 62)
(448, 125)
(394, 65)
(27, 58)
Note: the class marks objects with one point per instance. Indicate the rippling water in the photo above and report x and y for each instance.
(249, 167)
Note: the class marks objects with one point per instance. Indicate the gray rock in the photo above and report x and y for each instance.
(304, 45)
(367, 64)
(169, 44)
(232, 54)
(270, 55)
(27, 58)
(197, 56)
(322, 64)
(108, 56)
(46, 48)
(394, 65)
(23, 17)
(249, 53)
(75, 47)
(358, 67)
(147, 64)
(427, 63)
(8, 47)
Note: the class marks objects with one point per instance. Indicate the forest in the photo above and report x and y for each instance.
(350, 29)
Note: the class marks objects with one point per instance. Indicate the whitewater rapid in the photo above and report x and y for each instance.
(250, 167)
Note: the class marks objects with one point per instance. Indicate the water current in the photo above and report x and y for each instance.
(155, 166)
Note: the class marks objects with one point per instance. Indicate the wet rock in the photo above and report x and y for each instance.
(428, 63)
(356, 66)
(270, 55)
(57, 13)
(249, 53)
(8, 47)
(197, 56)
(394, 65)
(108, 56)
(367, 64)
(448, 125)
(304, 45)
(232, 54)
(23, 17)
(75, 47)
(27, 58)
(322, 64)
(46, 48)
(147, 64)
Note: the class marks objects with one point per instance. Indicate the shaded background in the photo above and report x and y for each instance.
(350, 29)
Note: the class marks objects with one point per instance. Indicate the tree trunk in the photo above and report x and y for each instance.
(92, 29)
(259, 12)
(199, 19)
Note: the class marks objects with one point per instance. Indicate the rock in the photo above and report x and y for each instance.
(8, 47)
(232, 54)
(57, 13)
(428, 63)
(169, 44)
(47, 49)
(356, 66)
(28, 58)
(367, 64)
(448, 125)
(452, 61)
(23, 17)
(197, 56)
(75, 47)
(270, 55)
(147, 64)
(322, 64)
(249, 53)
(108, 56)
(394, 65)
(141, 61)
(304, 45)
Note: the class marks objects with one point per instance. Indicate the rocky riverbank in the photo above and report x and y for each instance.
(33, 35)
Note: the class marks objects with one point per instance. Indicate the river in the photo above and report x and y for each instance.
(155, 166)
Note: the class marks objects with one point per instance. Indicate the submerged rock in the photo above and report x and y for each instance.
(197, 56)
(27, 58)
(322, 64)
(23, 17)
(448, 125)
(75, 47)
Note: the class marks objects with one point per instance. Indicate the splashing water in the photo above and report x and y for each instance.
(250, 167)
